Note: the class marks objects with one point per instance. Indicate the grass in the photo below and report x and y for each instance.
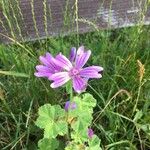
(122, 115)
(121, 118)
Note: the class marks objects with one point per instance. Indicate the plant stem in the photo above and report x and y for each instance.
(71, 94)
(138, 96)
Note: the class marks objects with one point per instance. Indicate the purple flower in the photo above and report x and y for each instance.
(47, 67)
(70, 105)
(73, 70)
(90, 133)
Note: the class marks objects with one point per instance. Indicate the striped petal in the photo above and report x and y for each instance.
(44, 60)
(43, 71)
(63, 62)
(79, 84)
(48, 56)
(72, 54)
(42, 74)
(42, 68)
(82, 57)
(95, 68)
(91, 72)
(48, 60)
(59, 79)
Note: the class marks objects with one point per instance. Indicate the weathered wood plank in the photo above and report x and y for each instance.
(32, 19)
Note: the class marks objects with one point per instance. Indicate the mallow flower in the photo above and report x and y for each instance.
(47, 67)
(73, 70)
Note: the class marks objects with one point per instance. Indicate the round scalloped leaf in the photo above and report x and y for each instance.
(75, 146)
(48, 144)
(53, 129)
(88, 100)
(82, 122)
(84, 104)
(81, 136)
(52, 120)
(83, 111)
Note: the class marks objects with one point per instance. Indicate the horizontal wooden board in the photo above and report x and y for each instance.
(25, 20)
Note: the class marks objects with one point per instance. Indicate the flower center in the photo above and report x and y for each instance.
(74, 72)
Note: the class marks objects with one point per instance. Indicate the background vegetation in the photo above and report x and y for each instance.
(122, 116)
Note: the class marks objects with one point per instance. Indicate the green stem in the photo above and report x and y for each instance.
(68, 134)
(138, 96)
(120, 143)
(71, 94)
(69, 90)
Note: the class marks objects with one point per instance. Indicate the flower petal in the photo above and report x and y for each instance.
(48, 56)
(42, 74)
(48, 60)
(55, 66)
(79, 84)
(58, 75)
(80, 50)
(95, 68)
(41, 68)
(59, 79)
(63, 62)
(44, 61)
(91, 72)
(72, 54)
(82, 57)
(43, 71)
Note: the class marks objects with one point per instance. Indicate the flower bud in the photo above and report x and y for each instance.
(90, 133)
(70, 105)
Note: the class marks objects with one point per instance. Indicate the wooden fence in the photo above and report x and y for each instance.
(24, 20)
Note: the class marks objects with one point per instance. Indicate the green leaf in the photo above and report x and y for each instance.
(82, 116)
(138, 116)
(80, 126)
(94, 143)
(81, 136)
(145, 128)
(75, 146)
(48, 144)
(83, 112)
(52, 120)
(88, 100)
